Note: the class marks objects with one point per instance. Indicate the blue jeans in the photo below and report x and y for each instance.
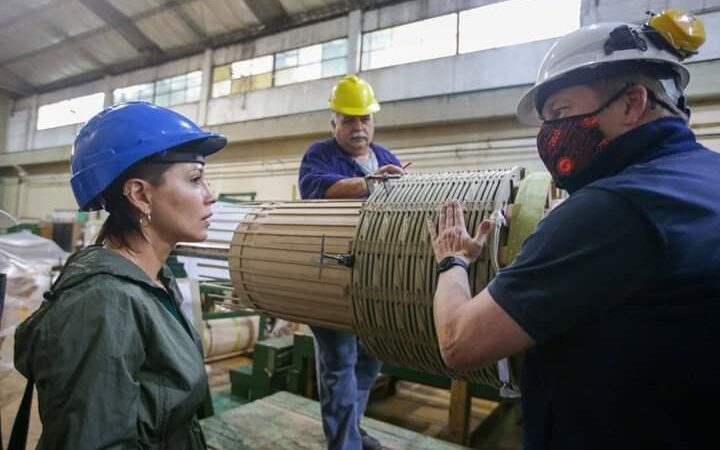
(345, 376)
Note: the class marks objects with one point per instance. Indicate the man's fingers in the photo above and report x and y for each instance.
(449, 211)
(391, 169)
(458, 218)
(484, 229)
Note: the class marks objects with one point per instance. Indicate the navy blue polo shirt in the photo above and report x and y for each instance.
(325, 163)
(619, 286)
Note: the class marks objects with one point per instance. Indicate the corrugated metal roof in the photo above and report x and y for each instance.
(50, 44)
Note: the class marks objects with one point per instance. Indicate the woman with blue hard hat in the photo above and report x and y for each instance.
(115, 362)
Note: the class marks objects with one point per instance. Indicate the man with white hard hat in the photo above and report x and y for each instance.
(616, 295)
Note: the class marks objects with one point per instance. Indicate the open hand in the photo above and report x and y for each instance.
(452, 238)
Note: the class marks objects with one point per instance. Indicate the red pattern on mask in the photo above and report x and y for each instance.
(565, 166)
(568, 145)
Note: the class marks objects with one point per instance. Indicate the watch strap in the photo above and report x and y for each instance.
(449, 262)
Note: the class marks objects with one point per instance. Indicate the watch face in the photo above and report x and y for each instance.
(445, 263)
(450, 261)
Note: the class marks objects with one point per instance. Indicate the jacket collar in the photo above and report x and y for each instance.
(96, 260)
(655, 139)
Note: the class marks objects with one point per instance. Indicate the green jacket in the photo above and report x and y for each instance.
(116, 365)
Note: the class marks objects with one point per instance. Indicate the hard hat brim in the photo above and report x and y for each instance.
(347, 111)
(526, 111)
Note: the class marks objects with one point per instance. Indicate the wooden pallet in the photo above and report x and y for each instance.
(285, 421)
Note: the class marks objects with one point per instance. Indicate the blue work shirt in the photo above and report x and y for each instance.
(325, 163)
(619, 286)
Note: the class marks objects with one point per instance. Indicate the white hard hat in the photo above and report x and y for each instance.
(591, 53)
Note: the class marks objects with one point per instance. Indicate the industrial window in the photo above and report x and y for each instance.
(513, 22)
(68, 112)
(416, 41)
(242, 76)
(179, 89)
(136, 92)
(311, 63)
(171, 91)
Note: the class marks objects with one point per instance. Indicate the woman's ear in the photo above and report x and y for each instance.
(138, 194)
(636, 104)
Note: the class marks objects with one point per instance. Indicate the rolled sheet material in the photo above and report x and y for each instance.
(284, 259)
(229, 336)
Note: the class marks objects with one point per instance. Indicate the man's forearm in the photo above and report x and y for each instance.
(453, 291)
(348, 188)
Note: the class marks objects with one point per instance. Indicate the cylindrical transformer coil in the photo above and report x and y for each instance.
(368, 267)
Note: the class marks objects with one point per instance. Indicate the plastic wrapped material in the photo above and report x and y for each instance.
(27, 260)
(230, 336)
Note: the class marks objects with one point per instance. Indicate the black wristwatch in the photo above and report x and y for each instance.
(450, 261)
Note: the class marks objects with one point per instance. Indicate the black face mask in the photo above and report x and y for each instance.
(569, 145)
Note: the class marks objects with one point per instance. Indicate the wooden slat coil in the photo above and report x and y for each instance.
(394, 278)
(387, 296)
(276, 266)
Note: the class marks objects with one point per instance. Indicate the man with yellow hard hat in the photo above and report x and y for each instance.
(337, 168)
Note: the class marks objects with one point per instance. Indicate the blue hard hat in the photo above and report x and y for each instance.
(120, 136)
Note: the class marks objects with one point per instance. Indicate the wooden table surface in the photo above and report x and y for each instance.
(285, 421)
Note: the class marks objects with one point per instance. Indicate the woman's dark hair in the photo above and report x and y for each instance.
(123, 221)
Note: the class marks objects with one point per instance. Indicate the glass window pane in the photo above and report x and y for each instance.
(162, 100)
(133, 93)
(194, 79)
(310, 72)
(298, 74)
(309, 55)
(68, 112)
(146, 93)
(262, 81)
(177, 97)
(221, 73)
(417, 41)
(377, 40)
(162, 86)
(334, 49)
(240, 85)
(240, 68)
(262, 64)
(178, 83)
(334, 67)
(257, 82)
(285, 76)
(247, 67)
(286, 59)
(193, 94)
(486, 27)
(221, 88)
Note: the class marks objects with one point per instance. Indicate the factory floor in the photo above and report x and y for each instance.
(419, 408)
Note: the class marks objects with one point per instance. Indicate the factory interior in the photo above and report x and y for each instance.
(285, 271)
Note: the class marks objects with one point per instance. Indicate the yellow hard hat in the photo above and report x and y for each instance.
(353, 96)
(683, 31)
